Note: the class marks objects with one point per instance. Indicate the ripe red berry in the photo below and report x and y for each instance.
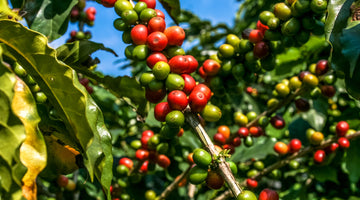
(163, 161)
(261, 50)
(197, 101)
(229, 147)
(154, 58)
(175, 35)
(189, 83)
(343, 143)
(204, 89)
(183, 64)
(108, 3)
(73, 33)
(219, 138)
(341, 128)
(319, 156)
(62, 180)
(157, 41)
(214, 180)
(155, 96)
(177, 100)
(256, 36)
(127, 162)
(202, 73)
(211, 67)
(159, 13)
(161, 110)
(332, 147)
(303, 74)
(267, 194)
(322, 66)
(328, 90)
(150, 3)
(142, 154)
(251, 183)
(156, 24)
(255, 131)
(243, 132)
(148, 133)
(281, 148)
(144, 167)
(277, 122)
(139, 34)
(294, 145)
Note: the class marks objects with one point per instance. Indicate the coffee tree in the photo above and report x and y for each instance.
(267, 109)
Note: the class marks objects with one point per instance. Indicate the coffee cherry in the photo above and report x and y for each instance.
(277, 122)
(140, 6)
(122, 170)
(282, 89)
(175, 118)
(243, 132)
(319, 156)
(318, 6)
(343, 142)
(120, 24)
(246, 46)
(281, 148)
(224, 130)
(273, 23)
(174, 82)
(204, 89)
(122, 5)
(214, 180)
(156, 24)
(310, 80)
(197, 101)
(291, 27)
(251, 183)
(163, 161)
(155, 96)
(302, 104)
(226, 50)
(175, 35)
(177, 100)
(256, 36)
(142, 154)
(211, 67)
(341, 128)
(211, 113)
(261, 50)
(268, 194)
(202, 158)
(161, 110)
(316, 138)
(294, 145)
(156, 85)
(159, 13)
(174, 51)
(255, 131)
(246, 195)
(62, 180)
(282, 11)
(126, 162)
(294, 83)
(236, 141)
(149, 3)
(139, 34)
(140, 52)
(328, 90)
(183, 64)
(240, 119)
(129, 16)
(259, 165)
(189, 83)
(322, 66)
(197, 175)
(154, 58)
(149, 194)
(219, 138)
(332, 147)
(161, 70)
(144, 167)
(157, 41)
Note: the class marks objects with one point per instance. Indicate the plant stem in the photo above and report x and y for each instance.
(174, 184)
(222, 166)
(286, 160)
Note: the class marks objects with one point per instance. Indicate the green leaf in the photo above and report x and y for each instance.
(82, 117)
(263, 146)
(49, 17)
(352, 161)
(79, 51)
(317, 115)
(350, 41)
(5, 174)
(173, 8)
(324, 173)
(17, 3)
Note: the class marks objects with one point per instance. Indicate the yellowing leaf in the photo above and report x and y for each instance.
(33, 150)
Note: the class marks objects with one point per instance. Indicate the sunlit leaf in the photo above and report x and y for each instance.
(261, 148)
(33, 149)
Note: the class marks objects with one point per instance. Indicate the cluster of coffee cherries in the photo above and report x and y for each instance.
(283, 149)
(341, 129)
(39, 96)
(203, 170)
(80, 15)
(66, 183)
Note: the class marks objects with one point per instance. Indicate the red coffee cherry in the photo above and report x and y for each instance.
(267, 194)
(251, 183)
(341, 128)
(277, 122)
(142, 154)
(256, 36)
(255, 131)
(328, 90)
(197, 101)
(332, 147)
(155, 96)
(183, 64)
(62, 180)
(229, 147)
(319, 156)
(204, 89)
(303, 74)
(156, 24)
(139, 34)
(322, 66)
(343, 143)
(159, 13)
(150, 3)
(302, 104)
(147, 133)
(261, 50)
(294, 145)
(154, 58)
(190, 83)
(281, 148)
(163, 161)
(108, 3)
(175, 35)
(144, 167)
(211, 67)
(219, 138)
(157, 41)
(161, 110)
(214, 180)
(202, 73)
(177, 100)
(236, 141)
(127, 162)
(243, 132)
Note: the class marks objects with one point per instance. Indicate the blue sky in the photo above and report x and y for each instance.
(103, 31)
